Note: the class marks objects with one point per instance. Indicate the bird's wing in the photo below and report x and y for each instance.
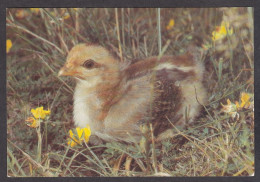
(167, 100)
(165, 75)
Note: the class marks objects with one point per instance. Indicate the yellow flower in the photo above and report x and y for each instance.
(9, 44)
(87, 133)
(66, 16)
(73, 141)
(40, 113)
(170, 24)
(20, 13)
(230, 108)
(245, 101)
(34, 123)
(35, 10)
(79, 132)
(222, 31)
(82, 134)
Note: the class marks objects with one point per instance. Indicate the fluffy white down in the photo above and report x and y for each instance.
(81, 111)
(83, 105)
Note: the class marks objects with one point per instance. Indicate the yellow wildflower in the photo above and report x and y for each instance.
(170, 24)
(66, 16)
(82, 134)
(245, 101)
(79, 132)
(40, 113)
(222, 31)
(87, 133)
(230, 108)
(35, 10)
(20, 13)
(34, 123)
(73, 141)
(9, 44)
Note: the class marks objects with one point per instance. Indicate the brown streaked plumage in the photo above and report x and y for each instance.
(114, 97)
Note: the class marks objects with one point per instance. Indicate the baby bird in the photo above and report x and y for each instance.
(114, 98)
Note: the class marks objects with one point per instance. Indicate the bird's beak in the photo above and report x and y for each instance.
(64, 71)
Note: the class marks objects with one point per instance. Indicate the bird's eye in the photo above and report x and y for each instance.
(89, 64)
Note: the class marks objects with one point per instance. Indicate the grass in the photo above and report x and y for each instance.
(214, 145)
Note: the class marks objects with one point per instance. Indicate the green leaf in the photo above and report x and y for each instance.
(206, 130)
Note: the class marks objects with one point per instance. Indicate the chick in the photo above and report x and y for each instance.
(114, 98)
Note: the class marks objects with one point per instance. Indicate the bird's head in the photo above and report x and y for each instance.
(90, 64)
